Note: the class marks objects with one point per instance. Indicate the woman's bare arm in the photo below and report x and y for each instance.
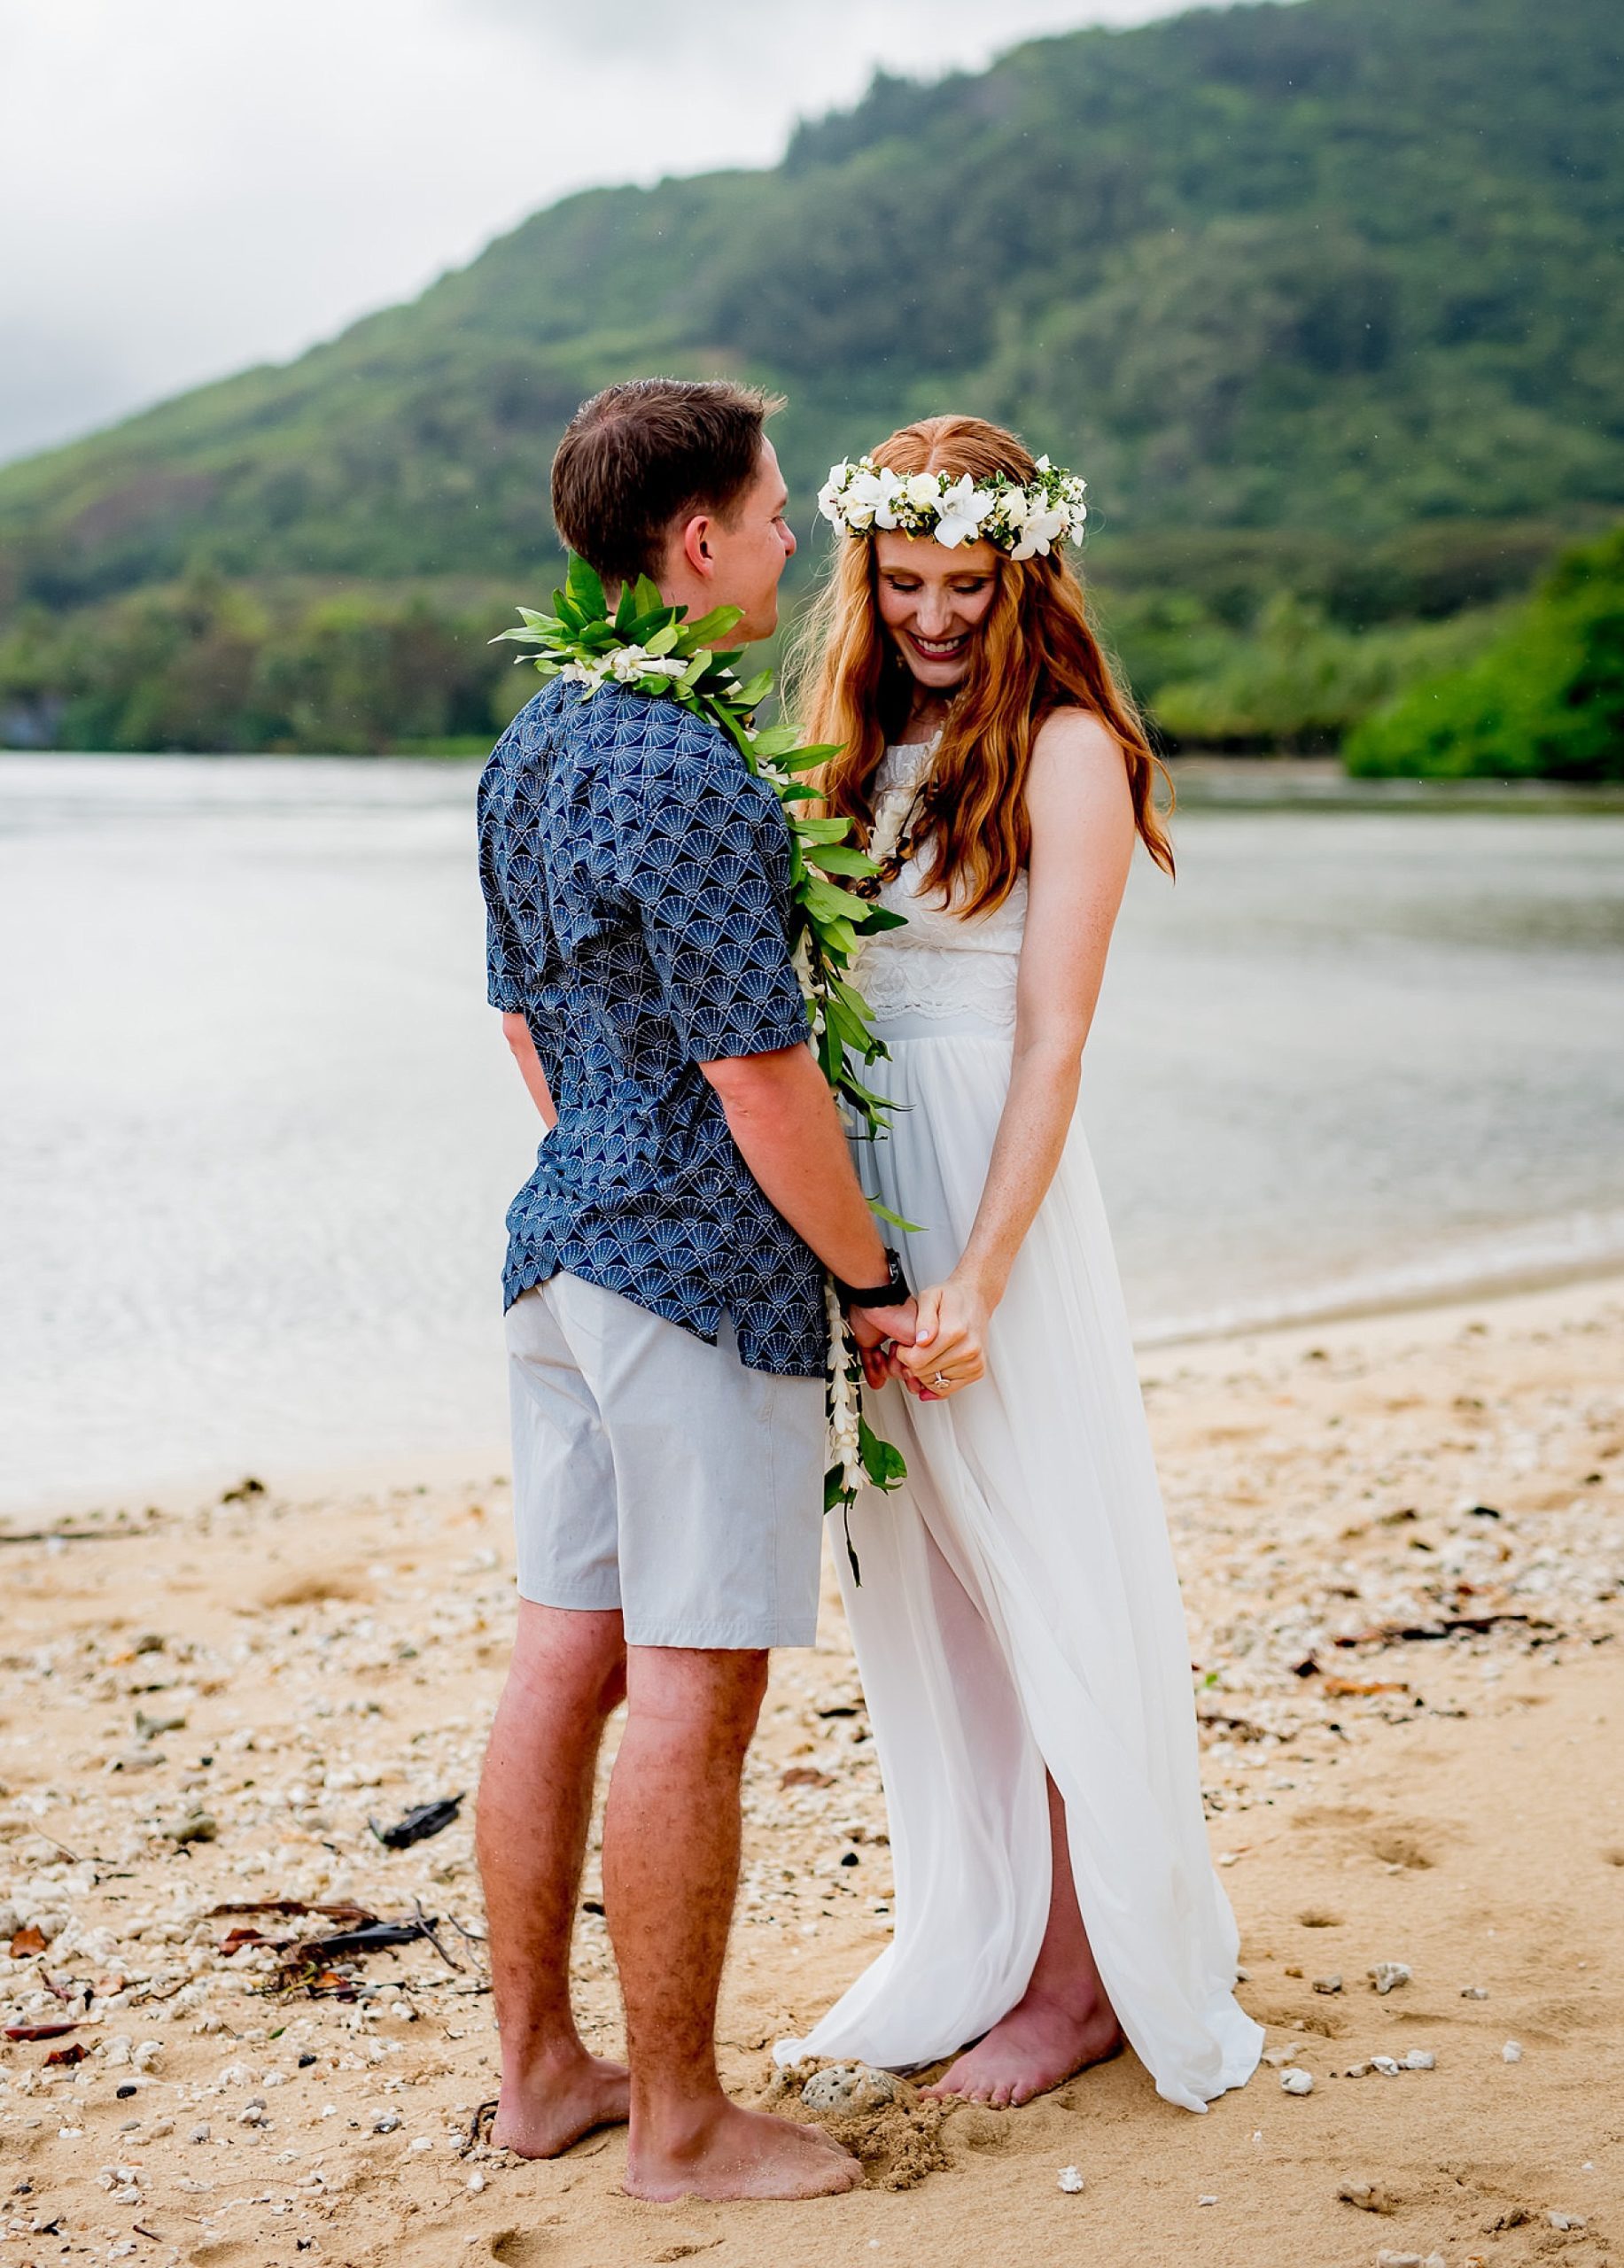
(515, 1031)
(1083, 839)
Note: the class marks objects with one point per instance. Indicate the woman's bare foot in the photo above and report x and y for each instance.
(1039, 2045)
(555, 2104)
(733, 2152)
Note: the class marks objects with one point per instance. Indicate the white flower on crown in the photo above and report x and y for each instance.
(1025, 521)
(829, 494)
(864, 495)
(962, 509)
(893, 492)
(1040, 530)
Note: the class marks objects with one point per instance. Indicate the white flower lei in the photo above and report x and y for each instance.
(1023, 521)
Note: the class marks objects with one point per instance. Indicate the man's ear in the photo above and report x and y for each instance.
(696, 544)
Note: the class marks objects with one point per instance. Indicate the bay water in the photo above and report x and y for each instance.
(258, 1128)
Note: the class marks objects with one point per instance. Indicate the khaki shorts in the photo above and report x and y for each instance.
(654, 1473)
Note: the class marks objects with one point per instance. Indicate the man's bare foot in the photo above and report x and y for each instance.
(555, 2104)
(1039, 2045)
(734, 2153)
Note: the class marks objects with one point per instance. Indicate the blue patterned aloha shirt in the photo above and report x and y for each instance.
(636, 881)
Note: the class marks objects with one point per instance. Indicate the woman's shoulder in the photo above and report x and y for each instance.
(1070, 734)
(1079, 773)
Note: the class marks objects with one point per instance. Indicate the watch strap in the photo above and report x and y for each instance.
(893, 1293)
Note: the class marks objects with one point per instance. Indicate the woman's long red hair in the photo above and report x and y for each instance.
(1036, 652)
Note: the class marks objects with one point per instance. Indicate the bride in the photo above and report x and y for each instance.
(1018, 1623)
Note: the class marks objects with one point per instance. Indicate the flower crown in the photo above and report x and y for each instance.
(1022, 521)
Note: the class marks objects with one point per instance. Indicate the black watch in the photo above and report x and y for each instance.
(894, 1293)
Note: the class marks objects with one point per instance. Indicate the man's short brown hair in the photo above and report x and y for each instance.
(641, 456)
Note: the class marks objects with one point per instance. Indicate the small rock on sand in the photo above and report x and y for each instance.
(1368, 2196)
(1327, 1984)
(1297, 2082)
(1388, 1974)
(1512, 2051)
(849, 2087)
(1070, 2180)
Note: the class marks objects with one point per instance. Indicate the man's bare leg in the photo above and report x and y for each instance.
(670, 1868)
(568, 1672)
(1064, 2019)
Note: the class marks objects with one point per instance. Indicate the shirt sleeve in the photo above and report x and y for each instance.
(705, 860)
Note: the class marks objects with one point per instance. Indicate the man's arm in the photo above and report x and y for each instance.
(782, 1115)
(515, 1031)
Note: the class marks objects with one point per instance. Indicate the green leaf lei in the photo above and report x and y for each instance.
(652, 649)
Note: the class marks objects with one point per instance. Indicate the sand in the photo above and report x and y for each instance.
(263, 1676)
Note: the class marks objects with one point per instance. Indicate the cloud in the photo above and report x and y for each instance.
(204, 186)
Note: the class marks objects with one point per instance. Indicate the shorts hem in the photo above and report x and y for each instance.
(731, 1637)
(568, 1601)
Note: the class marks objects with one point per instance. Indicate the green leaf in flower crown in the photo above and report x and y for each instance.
(585, 588)
(748, 695)
(695, 670)
(876, 918)
(821, 830)
(663, 641)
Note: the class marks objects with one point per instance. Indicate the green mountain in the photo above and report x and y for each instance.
(1327, 297)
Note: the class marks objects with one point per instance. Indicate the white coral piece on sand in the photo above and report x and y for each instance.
(1070, 2180)
(1386, 1974)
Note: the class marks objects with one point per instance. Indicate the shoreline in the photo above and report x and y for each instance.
(1433, 1310)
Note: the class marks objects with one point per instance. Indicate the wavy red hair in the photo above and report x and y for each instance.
(1036, 652)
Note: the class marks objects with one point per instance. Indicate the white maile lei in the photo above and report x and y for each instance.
(1025, 521)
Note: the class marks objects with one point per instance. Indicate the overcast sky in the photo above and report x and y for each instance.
(193, 185)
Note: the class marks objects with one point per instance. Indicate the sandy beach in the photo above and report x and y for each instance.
(1401, 1546)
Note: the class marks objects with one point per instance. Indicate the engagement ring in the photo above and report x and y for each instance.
(938, 1377)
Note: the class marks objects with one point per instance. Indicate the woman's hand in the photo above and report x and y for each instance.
(949, 1340)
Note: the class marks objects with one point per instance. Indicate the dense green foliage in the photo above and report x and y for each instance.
(1547, 698)
(204, 664)
(1301, 289)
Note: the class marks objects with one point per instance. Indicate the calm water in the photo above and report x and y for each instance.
(257, 1128)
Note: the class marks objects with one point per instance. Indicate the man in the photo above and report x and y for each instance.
(666, 1312)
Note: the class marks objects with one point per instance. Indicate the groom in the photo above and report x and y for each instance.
(665, 1325)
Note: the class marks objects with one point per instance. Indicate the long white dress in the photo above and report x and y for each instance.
(1019, 1605)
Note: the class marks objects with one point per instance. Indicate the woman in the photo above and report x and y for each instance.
(1018, 1624)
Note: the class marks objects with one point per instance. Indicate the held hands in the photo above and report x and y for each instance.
(877, 1329)
(949, 1345)
(934, 1345)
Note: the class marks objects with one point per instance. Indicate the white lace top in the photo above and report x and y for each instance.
(942, 966)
